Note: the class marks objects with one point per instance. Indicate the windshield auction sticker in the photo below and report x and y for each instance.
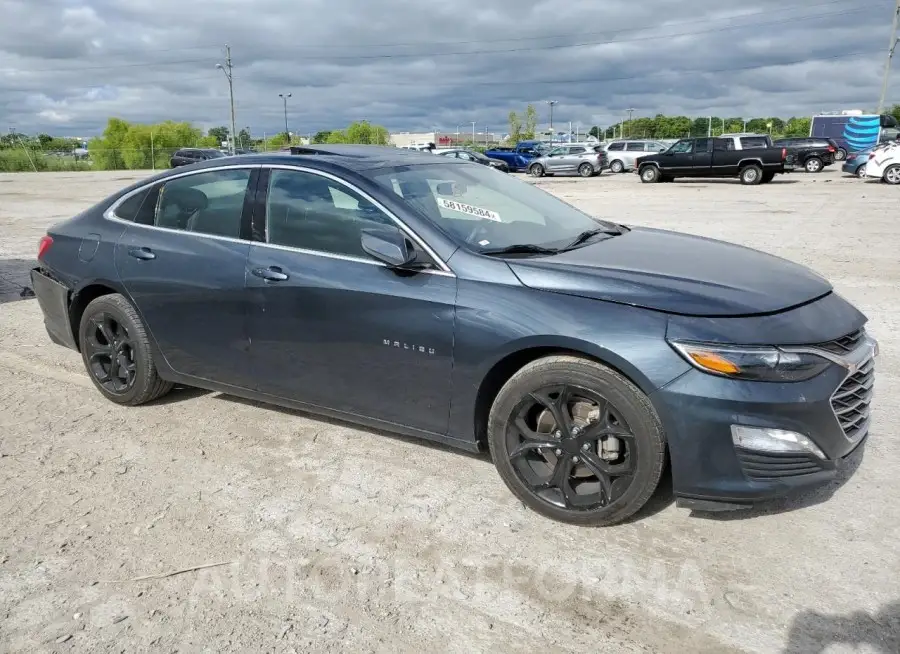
(469, 209)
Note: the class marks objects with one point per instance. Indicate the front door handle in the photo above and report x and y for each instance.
(145, 254)
(270, 274)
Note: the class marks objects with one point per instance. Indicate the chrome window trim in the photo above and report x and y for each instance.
(110, 215)
(403, 227)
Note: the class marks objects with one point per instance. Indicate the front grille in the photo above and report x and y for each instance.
(853, 399)
(843, 344)
(762, 466)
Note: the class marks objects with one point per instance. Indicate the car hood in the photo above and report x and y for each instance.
(676, 273)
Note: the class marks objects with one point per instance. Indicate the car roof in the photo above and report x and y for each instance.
(352, 157)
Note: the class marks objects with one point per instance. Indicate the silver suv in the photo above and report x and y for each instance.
(584, 160)
(622, 154)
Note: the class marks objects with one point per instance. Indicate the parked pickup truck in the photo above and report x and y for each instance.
(519, 157)
(727, 156)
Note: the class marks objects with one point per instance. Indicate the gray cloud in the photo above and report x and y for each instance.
(67, 65)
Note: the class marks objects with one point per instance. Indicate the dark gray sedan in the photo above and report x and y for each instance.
(433, 297)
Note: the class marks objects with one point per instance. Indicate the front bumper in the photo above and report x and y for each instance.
(699, 409)
(53, 299)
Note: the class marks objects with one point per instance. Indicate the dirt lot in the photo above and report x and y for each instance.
(342, 539)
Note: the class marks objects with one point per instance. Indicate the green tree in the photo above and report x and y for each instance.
(220, 134)
(531, 119)
(321, 137)
(244, 139)
(596, 131)
(515, 127)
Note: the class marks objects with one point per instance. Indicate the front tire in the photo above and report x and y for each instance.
(586, 170)
(751, 175)
(116, 352)
(536, 170)
(616, 166)
(892, 175)
(813, 165)
(576, 441)
(650, 174)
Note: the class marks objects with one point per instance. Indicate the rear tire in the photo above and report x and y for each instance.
(586, 170)
(616, 166)
(116, 352)
(813, 165)
(751, 175)
(550, 478)
(840, 154)
(536, 170)
(650, 174)
(861, 171)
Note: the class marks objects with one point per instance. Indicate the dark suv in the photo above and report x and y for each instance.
(187, 156)
(813, 154)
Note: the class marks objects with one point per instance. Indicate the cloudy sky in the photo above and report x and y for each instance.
(68, 65)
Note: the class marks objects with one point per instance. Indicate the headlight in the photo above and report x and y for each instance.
(768, 364)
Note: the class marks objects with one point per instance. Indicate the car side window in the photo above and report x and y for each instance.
(312, 212)
(576, 150)
(683, 147)
(128, 209)
(634, 147)
(465, 155)
(753, 142)
(701, 145)
(723, 145)
(616, 146)
(205, 203)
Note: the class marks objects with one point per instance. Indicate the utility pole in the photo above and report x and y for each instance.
(887, 64)
(287, 132)
(630, 114)
(551, 103)
(709, 128)
(227, 70)
(473, 132)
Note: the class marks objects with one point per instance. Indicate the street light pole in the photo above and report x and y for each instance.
(287, 132)
(227, 69)
(473, 132)
(551, 103)
(887, 64)
(630, 114)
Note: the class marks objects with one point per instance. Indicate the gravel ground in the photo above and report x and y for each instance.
(335, 538)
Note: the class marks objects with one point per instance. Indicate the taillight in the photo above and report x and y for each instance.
(783, 154)
(871, 155)
(831, 148)
(44, 245)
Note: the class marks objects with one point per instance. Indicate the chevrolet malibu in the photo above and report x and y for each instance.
(442, 299)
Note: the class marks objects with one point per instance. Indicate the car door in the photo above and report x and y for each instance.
(701, 162)
(679, 158)
(725, 157)
(633, 151)
(553, 162)
(182, 263)
(573, 158)
(333, 327)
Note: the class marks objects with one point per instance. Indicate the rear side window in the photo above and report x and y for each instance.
(128, 210)
(616, 146)
(205, 203)
(577, 150)
(702, 145)
(723, 145)
(635, 147)
(748, 142)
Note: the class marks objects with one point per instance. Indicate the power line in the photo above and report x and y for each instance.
(496, 40)
(531, 48)
(425, 55)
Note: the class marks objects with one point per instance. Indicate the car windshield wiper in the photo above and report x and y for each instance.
(587, 235)
(522, 248)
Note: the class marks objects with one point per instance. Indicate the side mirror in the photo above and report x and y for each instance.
(389, 245)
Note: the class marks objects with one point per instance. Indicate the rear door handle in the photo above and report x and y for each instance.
(145, 254)
(270, 274)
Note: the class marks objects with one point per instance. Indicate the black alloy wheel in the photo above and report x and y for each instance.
(116, 351)
(576, 441)
(564, 459)
(109, 351)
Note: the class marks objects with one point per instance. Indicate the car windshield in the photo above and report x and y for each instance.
(487, 210)
(215, 154)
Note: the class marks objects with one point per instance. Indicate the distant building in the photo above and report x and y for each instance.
(440, 139)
